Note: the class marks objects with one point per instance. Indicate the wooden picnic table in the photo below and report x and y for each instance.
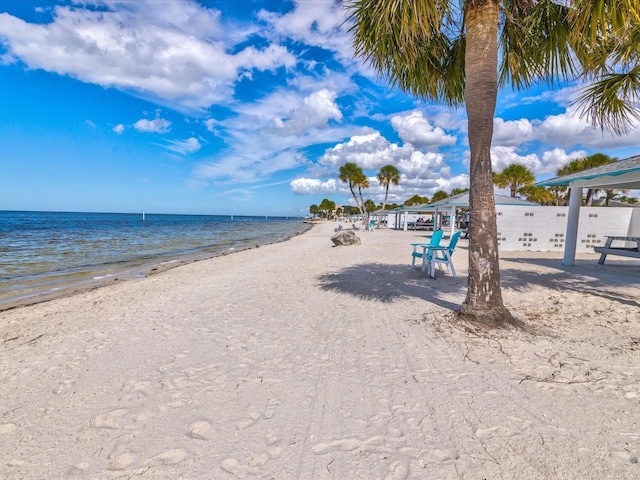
(609, 249)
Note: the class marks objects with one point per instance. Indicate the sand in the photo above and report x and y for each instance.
(300, 360)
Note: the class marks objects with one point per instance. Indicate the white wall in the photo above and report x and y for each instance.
(634, 225)
(544, 228)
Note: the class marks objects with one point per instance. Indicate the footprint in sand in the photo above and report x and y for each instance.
(271, 408)
(7, 428)
(201, 430)
(122, 461)
(232, 466)
(109, 419)
(398, 470)
(171, 457)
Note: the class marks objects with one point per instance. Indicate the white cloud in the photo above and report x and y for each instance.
(422, 165)
(311, 186)
(184, 147)
(370, 152)
(512, 132)
(557, 158)
(159, 125)
(314, 23)
(569, 129)
(317, 109)
(413, 128)
(211, 123)
(177, 53)
(248, 166)
(118, 128)
(551, 160)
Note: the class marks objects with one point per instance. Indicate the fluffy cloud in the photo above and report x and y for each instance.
(177, 53)
(159, 125)
(513, 132)
(317, 109)
(370, 152)
(551, 160)
(413, 128)
(310, 186)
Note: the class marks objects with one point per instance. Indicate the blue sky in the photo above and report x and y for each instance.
(234, 107)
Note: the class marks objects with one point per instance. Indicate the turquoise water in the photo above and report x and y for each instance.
(46, 252)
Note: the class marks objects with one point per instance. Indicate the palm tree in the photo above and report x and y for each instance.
(612, 194)
(439, 195)
(592, 161)
(416, 200)
(580, 164)
(539, 195)
(447, 50)
(386, 176)
(515, 176)
(314, 210)
(353, 176)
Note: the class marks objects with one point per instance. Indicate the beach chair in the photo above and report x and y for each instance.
(422, 250)
(338, 228)
(371, 226)
(442, 256)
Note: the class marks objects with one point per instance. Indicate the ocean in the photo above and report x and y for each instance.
(44, 254)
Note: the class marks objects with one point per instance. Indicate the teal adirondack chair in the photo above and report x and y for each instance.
(443, 256)
(421, 250)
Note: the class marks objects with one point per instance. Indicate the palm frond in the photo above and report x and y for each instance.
(411, 43)
(612, 102)
(534, 41)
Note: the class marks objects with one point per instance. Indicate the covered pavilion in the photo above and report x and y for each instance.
(450, 206)
(621, 175)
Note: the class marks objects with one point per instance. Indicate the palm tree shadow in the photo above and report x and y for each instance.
(586, 278)
(394, 283)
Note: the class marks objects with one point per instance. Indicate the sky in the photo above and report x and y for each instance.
(237, 107)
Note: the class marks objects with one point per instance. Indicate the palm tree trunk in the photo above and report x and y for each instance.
(355, 197)
(384, 204)
(365, 214)
(484, 297)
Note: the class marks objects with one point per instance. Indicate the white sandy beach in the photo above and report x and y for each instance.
(303, 361)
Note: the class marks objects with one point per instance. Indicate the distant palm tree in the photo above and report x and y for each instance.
(515, 176)
(580, 164)
(592, 161)
(439, 195)
(354, 177)
(448, 51)
(314, 210)
(416, 200)
(386, 176)
(612, 194)
(538, 194)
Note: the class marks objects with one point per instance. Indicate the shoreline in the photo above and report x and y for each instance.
(303, 360)
(90, 280)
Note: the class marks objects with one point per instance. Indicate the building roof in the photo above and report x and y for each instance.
(621, 175)
(462, 200)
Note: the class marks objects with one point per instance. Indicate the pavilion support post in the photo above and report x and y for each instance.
(406, 221)
(571, 238)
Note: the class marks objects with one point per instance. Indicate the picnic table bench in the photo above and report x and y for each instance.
(420, 226)
(608, 249)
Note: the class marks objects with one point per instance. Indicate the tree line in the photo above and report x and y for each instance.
(517, 177)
